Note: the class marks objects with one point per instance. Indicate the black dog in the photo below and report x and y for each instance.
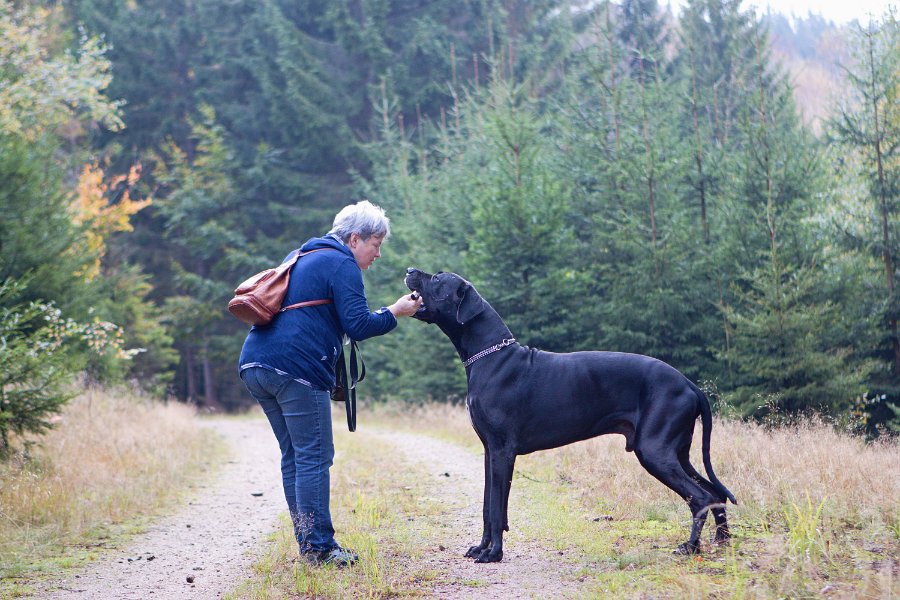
(521, 400)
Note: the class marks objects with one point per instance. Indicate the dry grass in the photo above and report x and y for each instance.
(762, 467)
(449, 422)
(818, 513)
(111, 457)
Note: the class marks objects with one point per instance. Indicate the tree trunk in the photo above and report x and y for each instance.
(887, 257)
(191, 378)
(612, 75)
(764, 145)
(698, 155)
(648, 149)
(210, 399)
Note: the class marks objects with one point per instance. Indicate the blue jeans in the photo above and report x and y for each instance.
(301, 419)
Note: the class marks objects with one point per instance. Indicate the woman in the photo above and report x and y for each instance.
(289, 365)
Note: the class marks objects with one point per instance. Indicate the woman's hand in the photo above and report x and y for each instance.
(406, 306)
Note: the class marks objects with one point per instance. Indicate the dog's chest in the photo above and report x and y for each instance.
(469, 412)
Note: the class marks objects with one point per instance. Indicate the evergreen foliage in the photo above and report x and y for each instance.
(867, 135)
(686, 226)
(35, 368)
(608, 175)
(55, 228)
(207, 248)
(40, 241)
(779, 324)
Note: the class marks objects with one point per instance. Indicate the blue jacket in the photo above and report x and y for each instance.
(305, 342)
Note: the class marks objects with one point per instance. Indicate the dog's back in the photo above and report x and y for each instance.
(544, 400)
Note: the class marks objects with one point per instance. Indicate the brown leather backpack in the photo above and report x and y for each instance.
(258, 299)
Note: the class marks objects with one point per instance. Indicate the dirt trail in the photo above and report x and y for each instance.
(207, 548)
(529, 568)
(212, 541)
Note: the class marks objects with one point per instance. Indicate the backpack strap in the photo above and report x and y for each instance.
(308, 302)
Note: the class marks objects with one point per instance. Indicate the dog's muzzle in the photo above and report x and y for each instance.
(411, 282)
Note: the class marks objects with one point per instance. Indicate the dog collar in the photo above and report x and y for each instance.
(491, 350)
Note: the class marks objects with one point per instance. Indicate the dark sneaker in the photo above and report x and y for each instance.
(339, 557)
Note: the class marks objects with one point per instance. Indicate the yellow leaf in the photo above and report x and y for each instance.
(91, 208)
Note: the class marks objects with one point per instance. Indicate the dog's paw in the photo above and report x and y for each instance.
(487, 556)
(687, 549)
(474, 551)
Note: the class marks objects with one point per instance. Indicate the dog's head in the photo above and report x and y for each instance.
(447, 298)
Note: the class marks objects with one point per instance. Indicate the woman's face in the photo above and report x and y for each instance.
(365, 251)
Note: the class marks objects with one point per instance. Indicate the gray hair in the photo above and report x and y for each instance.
(363, 218)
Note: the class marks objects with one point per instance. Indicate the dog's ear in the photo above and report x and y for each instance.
(470, 304)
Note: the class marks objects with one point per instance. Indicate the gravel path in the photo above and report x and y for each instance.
(529, 569)
(205, 549)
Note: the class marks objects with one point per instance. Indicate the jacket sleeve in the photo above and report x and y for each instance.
(353, 308)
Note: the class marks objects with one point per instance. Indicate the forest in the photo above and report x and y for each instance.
(609, 175)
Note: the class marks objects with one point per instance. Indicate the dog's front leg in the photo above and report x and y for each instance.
(475, 551)
(501, 468)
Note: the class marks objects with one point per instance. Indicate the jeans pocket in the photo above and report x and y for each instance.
(276, 383)
(264, 383)
(250, 377)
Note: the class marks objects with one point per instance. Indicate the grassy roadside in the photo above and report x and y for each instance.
(112, 461)
(374, 506)
(808, 523)
(383, 512)
(819, 516)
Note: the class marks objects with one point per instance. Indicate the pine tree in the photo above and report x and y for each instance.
(35, 368)
(644, 36)
(780, 318)
(867, 132)
(208, 253)
(153, 45)
(624, 150)
(717, 41)
(520, 243)
(41, 240)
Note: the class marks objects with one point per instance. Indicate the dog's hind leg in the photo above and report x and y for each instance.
(501, 467)
(722, 533)
(667, 469)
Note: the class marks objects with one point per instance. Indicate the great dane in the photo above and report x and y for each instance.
(521, 400)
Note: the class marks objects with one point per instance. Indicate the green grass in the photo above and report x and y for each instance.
(805, 537)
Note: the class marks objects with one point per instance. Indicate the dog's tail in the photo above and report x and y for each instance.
(706, 421)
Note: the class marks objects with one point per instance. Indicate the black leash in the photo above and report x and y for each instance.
(344, 393)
